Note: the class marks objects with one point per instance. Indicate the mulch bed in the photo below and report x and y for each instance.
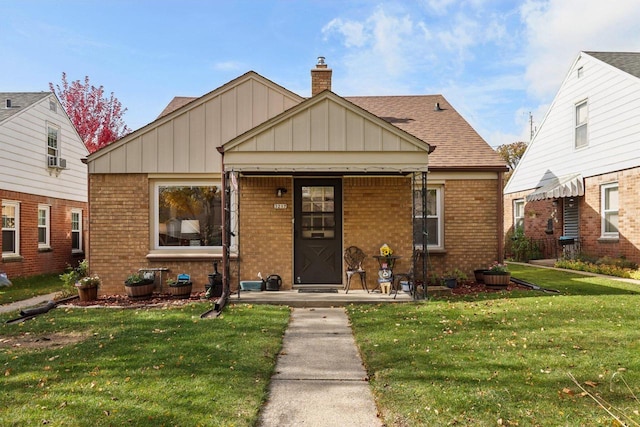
(161, 300)
(476, 288)
(156, 300)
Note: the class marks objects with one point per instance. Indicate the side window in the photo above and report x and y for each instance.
(518, 215)
(53, 136)
(44, 227)
(10, 228)
(609, 210)
(582, 118)
(76, 230)
(434, 218)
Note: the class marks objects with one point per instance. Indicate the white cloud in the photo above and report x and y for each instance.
(557, 30)
(228, 66)
(352, 31)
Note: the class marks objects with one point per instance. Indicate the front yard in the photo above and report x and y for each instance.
(488, 359)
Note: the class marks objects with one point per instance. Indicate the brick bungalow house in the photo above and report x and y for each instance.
(580, 176)
(43, 185)
(295, 181)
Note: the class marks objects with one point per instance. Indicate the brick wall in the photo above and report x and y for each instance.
(471, 227)
(538, 213)
(628, 244)
(119, 227)
(378, 210)
(32, 260)
(266, 233)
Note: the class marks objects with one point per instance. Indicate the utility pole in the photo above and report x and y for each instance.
(532, 130)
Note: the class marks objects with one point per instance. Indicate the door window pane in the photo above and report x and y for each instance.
(318, 215)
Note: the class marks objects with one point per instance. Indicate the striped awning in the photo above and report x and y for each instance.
(563, 186)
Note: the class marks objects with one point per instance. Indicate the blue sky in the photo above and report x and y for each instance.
(496, 61)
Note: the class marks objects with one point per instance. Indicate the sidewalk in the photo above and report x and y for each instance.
(319, 378)
(30, 302)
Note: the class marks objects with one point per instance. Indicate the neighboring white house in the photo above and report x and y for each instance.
(580, 176)
(43, 185)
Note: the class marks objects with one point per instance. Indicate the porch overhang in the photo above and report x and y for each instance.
(327, 162)
(564, 186)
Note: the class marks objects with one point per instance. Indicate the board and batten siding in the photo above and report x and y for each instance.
(338, 135)
(23, 157)
(613, 130)
(186, 140)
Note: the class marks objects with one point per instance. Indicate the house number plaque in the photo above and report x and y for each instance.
(279, 206)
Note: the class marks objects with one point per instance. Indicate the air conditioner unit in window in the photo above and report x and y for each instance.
(56, 162)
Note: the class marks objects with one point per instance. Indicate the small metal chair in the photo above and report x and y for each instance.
(353, 258)
(408, 277)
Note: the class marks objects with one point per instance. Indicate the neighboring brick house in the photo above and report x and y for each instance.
(296, 181)
(580, 176)
(43, 185)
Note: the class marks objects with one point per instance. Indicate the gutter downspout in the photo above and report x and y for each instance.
(225, 240)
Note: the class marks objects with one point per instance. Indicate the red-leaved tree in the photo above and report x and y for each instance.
(97, 119)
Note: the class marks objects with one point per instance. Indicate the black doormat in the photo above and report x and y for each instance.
(318, 290)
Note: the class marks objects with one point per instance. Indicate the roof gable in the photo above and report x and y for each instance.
(185, 139)
(613, 99)
(328, 133)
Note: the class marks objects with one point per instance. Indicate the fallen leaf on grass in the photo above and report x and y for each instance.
(591, 383)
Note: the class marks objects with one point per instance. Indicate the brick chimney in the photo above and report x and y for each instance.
(320, 77)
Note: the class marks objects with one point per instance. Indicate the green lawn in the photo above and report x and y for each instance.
(27, 287)
(104, 367)
(501, 360)
(490, 359)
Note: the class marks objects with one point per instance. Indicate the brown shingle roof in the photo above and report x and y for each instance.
(176, 102)
(457, 144)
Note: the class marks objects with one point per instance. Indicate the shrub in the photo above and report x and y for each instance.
(606, 265)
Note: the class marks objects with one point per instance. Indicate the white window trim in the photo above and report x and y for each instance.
(603, 211)
(576, 125)
(79, 231)
(516, 202)
(439, 189)
(16, 205)
(196, 250)
(47, 226)
(51, 125)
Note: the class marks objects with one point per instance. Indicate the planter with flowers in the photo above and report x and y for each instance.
(88, 288)
(140, 285)
(497, 276)
(180, 287)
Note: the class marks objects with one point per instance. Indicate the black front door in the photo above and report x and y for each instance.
(318, 231)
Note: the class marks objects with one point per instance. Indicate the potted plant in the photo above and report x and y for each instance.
(497, 276)
(139, 285)
(180, 287)
(452, 278)
(88, 287)
(72, 275)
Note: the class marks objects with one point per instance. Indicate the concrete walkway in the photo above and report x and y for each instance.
(30, 302)
(319, 379)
